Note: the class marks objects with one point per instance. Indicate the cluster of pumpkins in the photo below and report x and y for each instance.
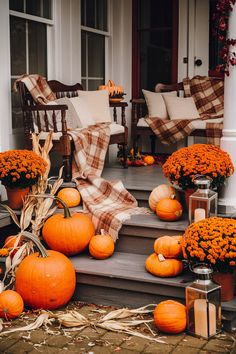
(166, 260)
(164, 200)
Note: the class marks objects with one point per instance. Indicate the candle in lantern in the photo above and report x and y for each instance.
(199, 214)
(201, 318)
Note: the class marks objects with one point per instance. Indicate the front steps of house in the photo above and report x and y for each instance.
(122, 279)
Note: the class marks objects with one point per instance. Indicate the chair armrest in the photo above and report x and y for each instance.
(122, 105)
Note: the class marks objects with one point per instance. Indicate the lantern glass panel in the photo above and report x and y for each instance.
(204, 200)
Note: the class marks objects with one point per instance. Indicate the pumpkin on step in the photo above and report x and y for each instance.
(160, 192)
(11, 304)
(159, 266)
(45, 279)
(69, 233)
(169, 246)
(170, 317)
(169, 209)
(71, 196)
(101, 246)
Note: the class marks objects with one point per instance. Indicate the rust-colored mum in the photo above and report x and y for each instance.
(20, 168)
(202, 159)
(212, 241)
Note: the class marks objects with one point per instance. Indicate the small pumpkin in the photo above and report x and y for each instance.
(69, 233)
(13, 241)
(160, 192)
(169, 209)
(149, 160)
(169, 246)
(45, 279)
(4, 252)
(11, 304)
(114, 90)
(101, 246)
(71, 196)
(170, 317)
(159, 266)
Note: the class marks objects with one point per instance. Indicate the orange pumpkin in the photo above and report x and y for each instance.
(169, 209)
(170, 317)
(13, 242)
(45, 279)
(101, 246)
(113, 89)
(11, 304)
(159, 266)
(149, 160)
(70, 196)
(69, 233)
(169, 246)
(160, 192)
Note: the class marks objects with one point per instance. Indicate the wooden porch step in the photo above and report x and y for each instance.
(123, 281)
(138, 234)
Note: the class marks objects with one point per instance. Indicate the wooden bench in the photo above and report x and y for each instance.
(140, 128)
(34, 114)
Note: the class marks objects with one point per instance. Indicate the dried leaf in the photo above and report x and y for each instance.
(12, 214)
(124, 313)
(1, 324)
(43, 318)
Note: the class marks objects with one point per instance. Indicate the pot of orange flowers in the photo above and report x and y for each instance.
(184, 164)
(19, 170)
(213, 241)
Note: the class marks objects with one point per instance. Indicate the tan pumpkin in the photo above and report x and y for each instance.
(170, 317)
(159, 266)
(71, 196)
(149, 160)
(169, 209)
(101, 246)
(11, 304)
(169, 246)
(160, 192)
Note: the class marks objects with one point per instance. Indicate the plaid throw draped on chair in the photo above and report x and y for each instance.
(38, 88)
(208, 94)
(109, 203)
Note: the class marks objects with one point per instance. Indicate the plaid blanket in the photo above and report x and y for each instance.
(38, 87)
(109, 203)
(208, 95)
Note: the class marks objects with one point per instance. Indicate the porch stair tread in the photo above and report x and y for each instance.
(124, 273)
(152, 221)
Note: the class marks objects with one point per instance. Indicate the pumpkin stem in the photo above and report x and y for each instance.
(67, 213)
(42, 250)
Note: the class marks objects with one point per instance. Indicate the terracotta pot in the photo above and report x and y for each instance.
(15, 197)
(227, 283)
(187, 194)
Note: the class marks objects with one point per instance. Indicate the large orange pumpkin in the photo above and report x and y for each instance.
(71, 196)
(11, 304)
(169, 246)
(161, 267)
(169, 209)
(170, 317)
(160, 192)
(69, 233)
(45, 279)
(101, 246)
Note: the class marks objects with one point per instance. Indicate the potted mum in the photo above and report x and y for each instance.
(19, 170)
(184, 164)
(213, 241)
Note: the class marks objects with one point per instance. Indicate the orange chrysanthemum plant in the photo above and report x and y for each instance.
(212, 241)
(199, 159)
(20, 168)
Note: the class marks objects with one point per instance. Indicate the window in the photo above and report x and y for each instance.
(94, 35)
(28, 42)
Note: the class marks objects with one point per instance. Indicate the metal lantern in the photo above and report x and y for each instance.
(203, 304)
(203, 202)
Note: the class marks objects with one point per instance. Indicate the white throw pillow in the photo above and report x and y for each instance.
(156, 104)
(181, 108)
(98, 104)
(83, 113)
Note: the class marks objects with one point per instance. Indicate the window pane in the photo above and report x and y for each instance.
(33, 7)
(17, 120)
(96, 55)
(83, 13)
(37, 48)
(18, 45)
(83, 52)
(101, 15)
(93, 84)
(84, 84)
(90, 13)
(17, 5)
(94, 14)
(47, 9)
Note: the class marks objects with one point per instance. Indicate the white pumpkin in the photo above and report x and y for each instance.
(160, 192)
